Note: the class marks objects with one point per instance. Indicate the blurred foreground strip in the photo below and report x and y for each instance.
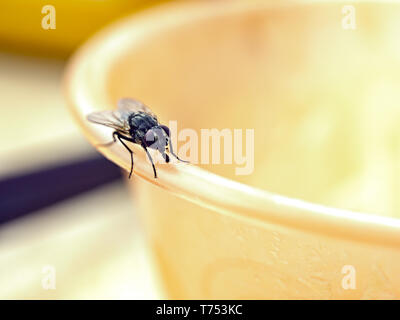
(92, 241)
(28, 192)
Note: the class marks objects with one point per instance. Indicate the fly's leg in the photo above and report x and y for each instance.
(121, 138)
(165, 156)
(172, 152)
(151, 160)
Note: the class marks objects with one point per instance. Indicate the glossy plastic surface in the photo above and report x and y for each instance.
(324, 105)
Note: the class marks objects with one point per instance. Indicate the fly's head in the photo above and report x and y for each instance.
(157, 138)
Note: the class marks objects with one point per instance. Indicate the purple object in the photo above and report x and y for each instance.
(23, 194)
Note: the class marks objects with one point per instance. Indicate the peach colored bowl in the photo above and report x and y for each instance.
(317, 217)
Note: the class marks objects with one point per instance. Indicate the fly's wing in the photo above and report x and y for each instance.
(128, 105)
(115, 119)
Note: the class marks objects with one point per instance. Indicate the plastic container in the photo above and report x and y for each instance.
(317, 217)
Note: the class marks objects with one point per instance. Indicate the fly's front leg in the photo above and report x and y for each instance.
(121, 138)
(151, 160)
(172, 152)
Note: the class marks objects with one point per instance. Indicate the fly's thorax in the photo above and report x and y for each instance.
(140, 123)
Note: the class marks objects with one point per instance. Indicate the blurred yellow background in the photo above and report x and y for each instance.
(76, 20)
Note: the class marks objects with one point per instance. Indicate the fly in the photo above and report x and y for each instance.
(135, 122)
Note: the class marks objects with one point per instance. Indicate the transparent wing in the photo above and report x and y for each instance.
(128, 105)
(116, 119)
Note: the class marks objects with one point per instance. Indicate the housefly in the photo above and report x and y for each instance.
(135, 122)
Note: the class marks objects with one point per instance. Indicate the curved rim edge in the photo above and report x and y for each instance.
(221, 194)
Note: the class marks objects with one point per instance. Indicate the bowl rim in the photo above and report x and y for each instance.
(87, 72)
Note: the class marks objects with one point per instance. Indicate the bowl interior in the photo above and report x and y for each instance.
(322, 100)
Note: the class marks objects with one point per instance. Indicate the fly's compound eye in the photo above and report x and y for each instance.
(166, 129)
(150, 138)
